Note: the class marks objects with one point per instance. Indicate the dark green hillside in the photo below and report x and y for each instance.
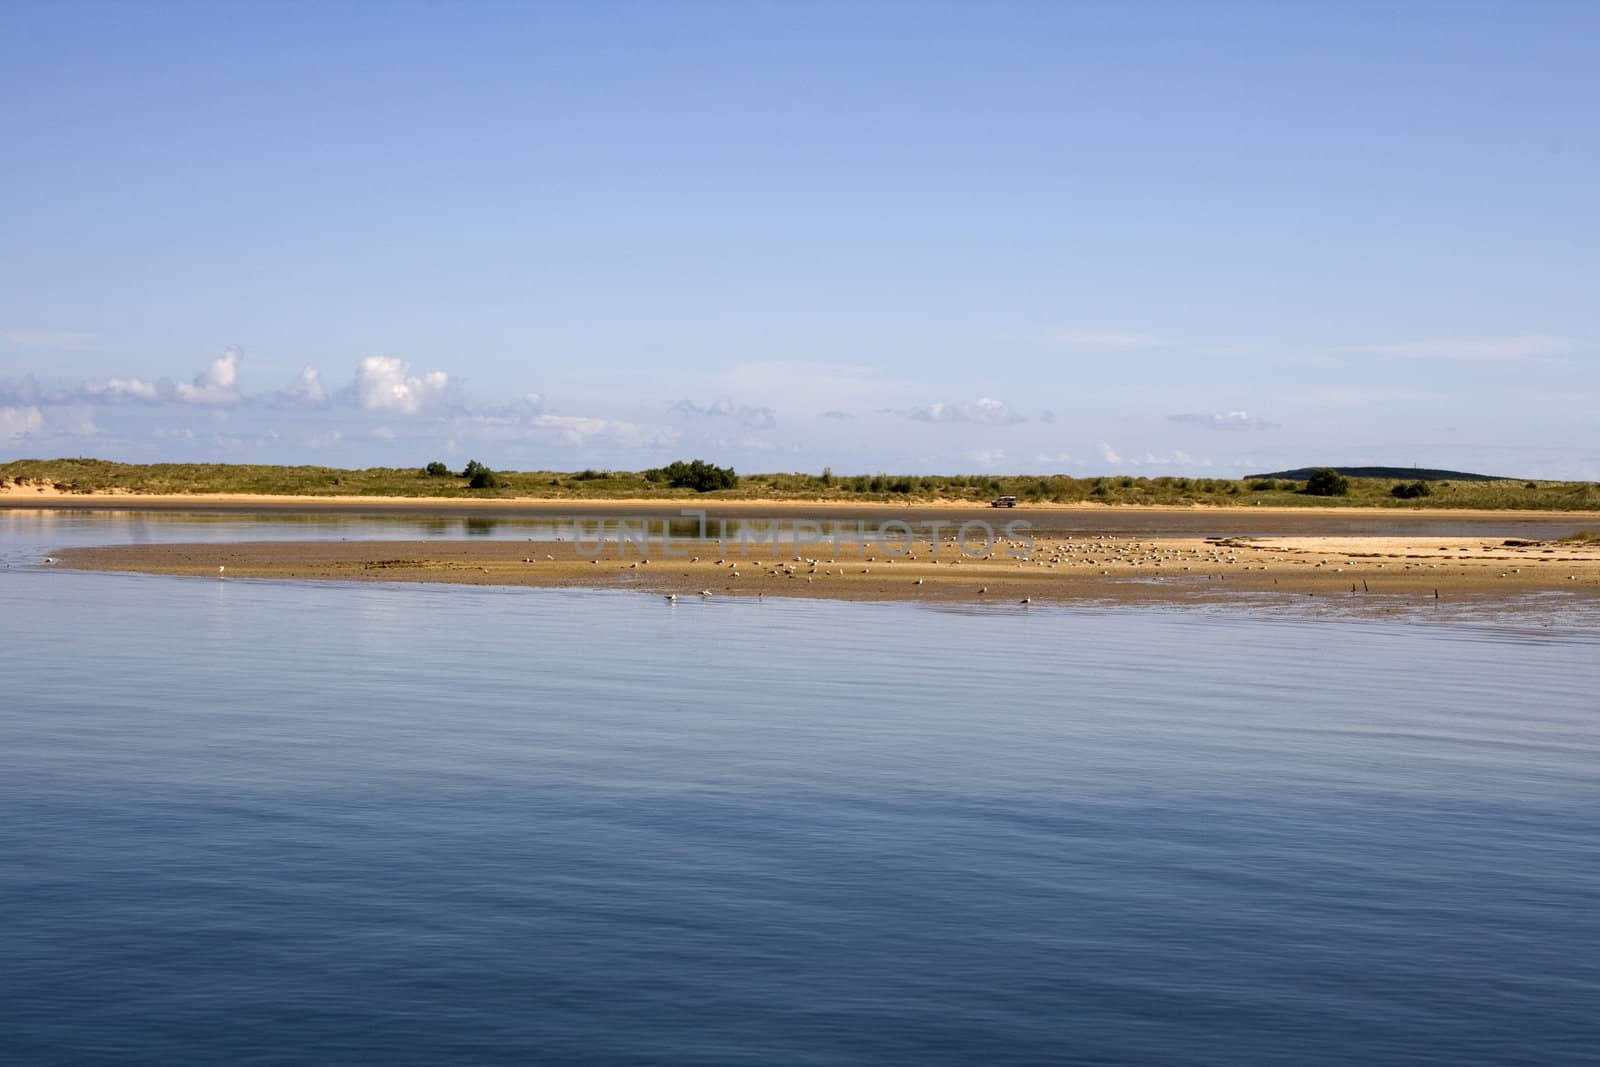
(1418, 474)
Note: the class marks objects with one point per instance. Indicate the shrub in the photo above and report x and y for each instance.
(436, 470)
(697, 474)
(827, 476)
(589, 475)
(1531, 485)
(1411, 490)
(483, 478)
(1266, 485)
(1327, 482)
(473, 468)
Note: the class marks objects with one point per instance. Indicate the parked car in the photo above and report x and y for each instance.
(1003, 502)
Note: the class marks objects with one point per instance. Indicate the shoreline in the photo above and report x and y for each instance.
(1366, 574)
(39, 498)
(1078, 520)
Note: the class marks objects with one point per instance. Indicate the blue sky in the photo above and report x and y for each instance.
(1196, 238)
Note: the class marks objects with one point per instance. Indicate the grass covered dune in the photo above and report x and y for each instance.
(35, 478)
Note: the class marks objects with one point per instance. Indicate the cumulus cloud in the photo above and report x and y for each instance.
(115, 389)
(754, 418)
(1109, 454)
(217, 384)
(1518, 349)
(1103, 340)
(307, 387)
(19, 422)
(984, 410)
(385, 383)
(1226, 420)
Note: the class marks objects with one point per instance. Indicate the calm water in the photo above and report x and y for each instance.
(260, 822)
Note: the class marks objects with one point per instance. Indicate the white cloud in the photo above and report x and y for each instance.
(123, 389)
(1517, 349)
(19, 422)
(1175, 458)
(1226, 420)
(1103, 340)
(1060, 458)
(840, 416)
(217, 384)
(75, 421)
(755, 418)
(385, 383)
(582, 430)
(984, 410)
(989, 457)
(307, 387)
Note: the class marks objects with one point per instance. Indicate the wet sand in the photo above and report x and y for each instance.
(1369, 574)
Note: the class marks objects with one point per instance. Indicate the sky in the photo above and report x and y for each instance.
(1202, 239)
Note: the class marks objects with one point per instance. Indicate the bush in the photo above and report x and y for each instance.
(697, 474)
(1327, 482)
(473, 469)
(1266, 485)
(1411, 490)
(590, 475)
(436, 470)
(483, 478)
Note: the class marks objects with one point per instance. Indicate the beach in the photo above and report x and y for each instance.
(1384, 571)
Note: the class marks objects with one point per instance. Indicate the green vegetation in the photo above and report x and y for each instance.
(1413, 490)
(679, 481)
(436, 470)
(1327, 482)
(1425, 474)
(479, 477)
(697, 474)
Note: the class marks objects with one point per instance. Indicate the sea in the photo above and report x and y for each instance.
(259, 822)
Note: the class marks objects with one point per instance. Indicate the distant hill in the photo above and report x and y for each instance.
(1415, 474)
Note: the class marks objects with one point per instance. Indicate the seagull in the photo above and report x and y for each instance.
(220, 570)
(672, 598)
